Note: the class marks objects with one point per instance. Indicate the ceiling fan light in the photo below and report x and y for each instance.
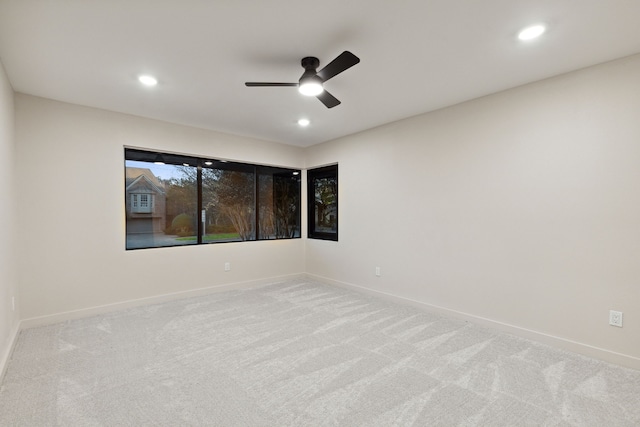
(311, 86)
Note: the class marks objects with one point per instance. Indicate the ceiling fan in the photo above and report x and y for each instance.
(310, 83)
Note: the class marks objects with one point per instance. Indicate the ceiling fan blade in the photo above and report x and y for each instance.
(343, 62)
(266, 84)
(328, 100)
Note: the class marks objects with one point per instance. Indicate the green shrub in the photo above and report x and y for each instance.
(182, 225)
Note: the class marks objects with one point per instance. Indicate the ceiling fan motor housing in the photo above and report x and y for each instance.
(310, 63)
(310, 84)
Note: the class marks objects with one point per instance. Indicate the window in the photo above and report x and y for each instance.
(175, 200)
(279, 215)
(322, 202)
(228, 201)
(142, 203)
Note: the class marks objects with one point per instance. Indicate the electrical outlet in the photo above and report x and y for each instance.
(615, 318)
(227, 266)
(378, 271)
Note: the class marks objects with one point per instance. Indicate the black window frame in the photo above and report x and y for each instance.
(205, 162)
(313, 175)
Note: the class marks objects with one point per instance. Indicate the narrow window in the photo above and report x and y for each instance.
(322, 203)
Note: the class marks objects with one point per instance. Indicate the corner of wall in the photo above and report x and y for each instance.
(7, 349)
(9, 323)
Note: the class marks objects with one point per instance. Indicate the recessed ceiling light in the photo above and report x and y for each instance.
(296, 173)
(304, 122)
(208, 163)
(532, 32)
(148, 80)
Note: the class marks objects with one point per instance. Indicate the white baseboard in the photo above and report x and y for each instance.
(6, 354)
(108, 308)
(558, 342)
(563, 343)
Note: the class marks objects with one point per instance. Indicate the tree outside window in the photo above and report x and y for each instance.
(322, 203)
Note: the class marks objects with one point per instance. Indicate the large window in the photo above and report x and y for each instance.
(174, 200)
(322, 202)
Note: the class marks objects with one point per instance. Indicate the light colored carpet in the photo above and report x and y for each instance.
(302, 354)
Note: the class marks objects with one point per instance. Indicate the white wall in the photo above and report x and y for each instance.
(522, 207)
(71, 222)
(8, 272)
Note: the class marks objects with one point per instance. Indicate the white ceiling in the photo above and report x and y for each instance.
(416, 56)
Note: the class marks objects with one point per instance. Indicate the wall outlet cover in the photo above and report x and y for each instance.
(615, 318)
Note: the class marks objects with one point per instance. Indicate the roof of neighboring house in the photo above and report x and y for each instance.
(133, 175)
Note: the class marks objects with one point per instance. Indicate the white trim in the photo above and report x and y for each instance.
(108, 308)
(6, 355)
(558, 342)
